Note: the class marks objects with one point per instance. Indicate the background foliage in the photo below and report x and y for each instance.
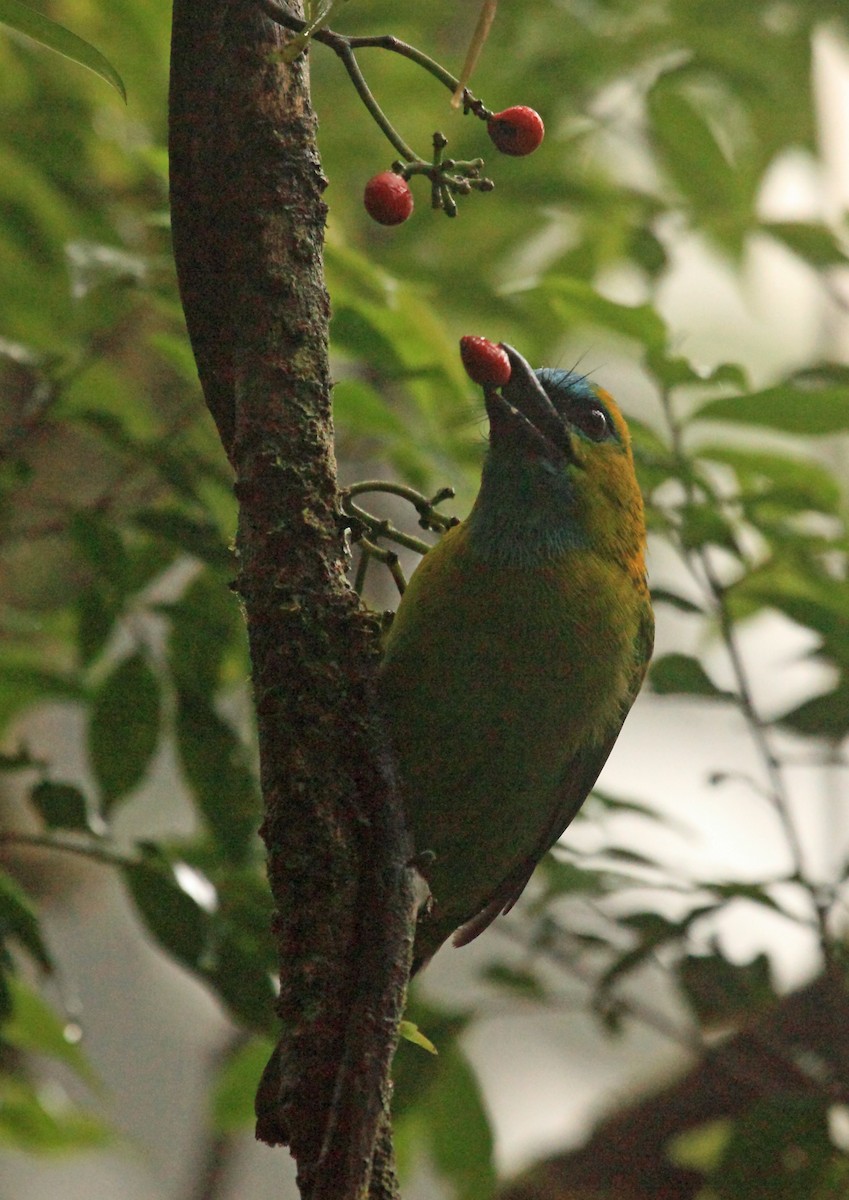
(668, 126)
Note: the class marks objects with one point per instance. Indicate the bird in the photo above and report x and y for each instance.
(517, 649)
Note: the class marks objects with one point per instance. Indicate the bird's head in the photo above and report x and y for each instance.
(559, 473)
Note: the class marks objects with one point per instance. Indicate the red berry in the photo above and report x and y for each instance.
(388, 198)
(517, 130)
(485, 362)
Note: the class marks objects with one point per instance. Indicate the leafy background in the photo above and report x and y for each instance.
(681, 234)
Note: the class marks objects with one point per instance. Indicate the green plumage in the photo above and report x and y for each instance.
(518, 648)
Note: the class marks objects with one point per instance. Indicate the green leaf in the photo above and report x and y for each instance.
(811, 402)
(696, 162)
(791, 483)
(721, 991)
(410, 1032)
(235, 1088)
(241, 958)
(174, 919)
(101, 543)
(35, 1027)
(680, 674)
(200, 538)
(359, 411)
(34, 1122)
(217, 765)
(19, 920)
(521, 983)
(615, 804)
(564, 878)
(23, 684)
(664, 596)
(576, 301)
(824, 716)
(816, 244)
(123, 730)
(703, 525)
(205, 623)
(41, 29)
(61, 805)
(22, 761)
(674, 371)
(459, 1131)
(778, 1150)
(96, 615)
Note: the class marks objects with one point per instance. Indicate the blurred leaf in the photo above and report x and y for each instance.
(816, 244)
(699, 167)
(361, 411)
(812, 402)
(32, 1120)
(652, 931)
(564, 878)
(235, 1088)
(824, 716)
(459, 1132)
(794, 483)
(123, 730)
(96, 616)
(241, 957)
(703, 525)
(219, 771)
(61, 805)
(22, 685)
(416, 1076)
(778, 1150)
(174, 919)
(41, 29)
(674, 674)
(35, 1027)
(577, 301)
(19, 920)
(521, 983)
(743, 891)
(101, 543)
(205, 623)
(674, 371)
(22, 761)
(720, 991)
(664, 596)
(200, 538)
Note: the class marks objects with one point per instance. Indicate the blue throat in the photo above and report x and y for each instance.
(524, 514)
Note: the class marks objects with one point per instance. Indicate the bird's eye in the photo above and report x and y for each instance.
(593, 422)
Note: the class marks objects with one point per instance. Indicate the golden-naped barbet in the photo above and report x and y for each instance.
(518, 648)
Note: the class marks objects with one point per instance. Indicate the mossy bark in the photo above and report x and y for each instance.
(248, 224)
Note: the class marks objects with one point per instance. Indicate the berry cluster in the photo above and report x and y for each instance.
(516, 131)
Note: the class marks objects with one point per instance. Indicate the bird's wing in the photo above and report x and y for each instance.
(583, 771)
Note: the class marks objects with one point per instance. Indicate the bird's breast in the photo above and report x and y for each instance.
(494, 679)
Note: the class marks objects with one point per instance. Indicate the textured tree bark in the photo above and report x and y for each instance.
(248, 224)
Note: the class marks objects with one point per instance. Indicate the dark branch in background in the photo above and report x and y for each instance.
(248, 224)
(629, 1154)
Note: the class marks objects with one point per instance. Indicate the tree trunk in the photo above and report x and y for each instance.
(248, 224)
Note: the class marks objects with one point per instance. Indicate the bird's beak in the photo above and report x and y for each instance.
(523, 414)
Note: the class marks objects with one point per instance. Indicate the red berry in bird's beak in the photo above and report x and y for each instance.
(388, 198)
(485, 362)
(517, 130)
